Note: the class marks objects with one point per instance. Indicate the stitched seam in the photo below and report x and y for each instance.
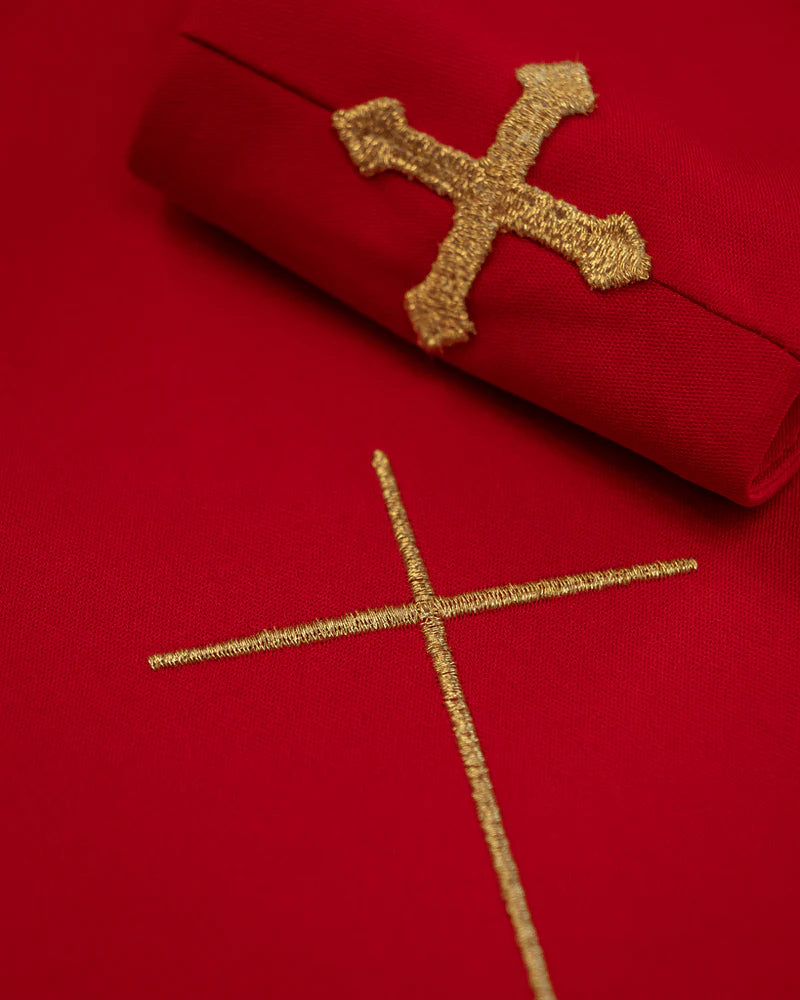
(721, 315)
(250, 67)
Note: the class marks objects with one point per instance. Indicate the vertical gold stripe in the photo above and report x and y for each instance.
(467, 739)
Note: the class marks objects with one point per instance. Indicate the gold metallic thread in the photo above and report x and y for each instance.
(491, 196)
(378, 619)
(429, 611)
(467, 739)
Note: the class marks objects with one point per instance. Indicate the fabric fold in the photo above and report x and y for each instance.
(696, 368)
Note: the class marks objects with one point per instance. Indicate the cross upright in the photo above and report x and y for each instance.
(491, 196)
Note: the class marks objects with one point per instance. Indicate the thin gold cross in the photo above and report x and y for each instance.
(430, 611)
(491, 196)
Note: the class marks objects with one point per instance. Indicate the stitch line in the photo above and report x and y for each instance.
(405, 615)
(721, 315)
(252, 68)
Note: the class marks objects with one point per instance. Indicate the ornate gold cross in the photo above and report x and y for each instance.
(491, 196)
(429, 611)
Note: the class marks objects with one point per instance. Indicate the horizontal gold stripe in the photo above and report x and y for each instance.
(377, 619)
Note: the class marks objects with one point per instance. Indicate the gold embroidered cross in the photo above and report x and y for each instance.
(429, 611)
(491, 196)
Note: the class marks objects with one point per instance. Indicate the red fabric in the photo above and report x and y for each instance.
(185, 448)
(697, 369)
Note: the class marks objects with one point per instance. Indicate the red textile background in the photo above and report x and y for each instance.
(698, 368)
(185, 449)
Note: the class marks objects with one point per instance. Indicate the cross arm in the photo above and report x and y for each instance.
(609, 252)
(378, 137)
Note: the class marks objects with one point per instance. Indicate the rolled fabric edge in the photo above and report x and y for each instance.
(207, 140)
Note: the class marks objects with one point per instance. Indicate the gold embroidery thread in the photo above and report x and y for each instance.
(466, 738)
(406, 615)
(429, 611)
(491, 196)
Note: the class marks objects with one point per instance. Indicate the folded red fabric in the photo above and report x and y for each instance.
(696, 368)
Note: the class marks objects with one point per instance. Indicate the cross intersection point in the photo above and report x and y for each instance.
(430, 611)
